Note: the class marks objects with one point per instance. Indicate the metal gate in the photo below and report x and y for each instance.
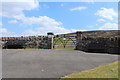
(64, 42)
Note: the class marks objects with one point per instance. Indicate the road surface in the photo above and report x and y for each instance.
(50, 63)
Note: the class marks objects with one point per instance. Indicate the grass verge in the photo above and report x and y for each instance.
(106, 71)
(35, 49)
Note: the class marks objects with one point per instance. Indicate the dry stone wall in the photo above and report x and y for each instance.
(98, 41)
(25, 42)
(90, 41)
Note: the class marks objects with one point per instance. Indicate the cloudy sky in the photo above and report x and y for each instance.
(38, 18)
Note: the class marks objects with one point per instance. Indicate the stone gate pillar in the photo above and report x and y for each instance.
(79, 37)
(50, 40)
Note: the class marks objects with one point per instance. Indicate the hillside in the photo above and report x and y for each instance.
(98, 33)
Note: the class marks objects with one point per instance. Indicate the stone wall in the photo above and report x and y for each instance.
(91, 41)
(26, 42)
(104, 41)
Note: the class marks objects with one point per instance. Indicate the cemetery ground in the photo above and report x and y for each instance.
(27, 63)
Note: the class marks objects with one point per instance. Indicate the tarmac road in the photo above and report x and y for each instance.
(50, 63)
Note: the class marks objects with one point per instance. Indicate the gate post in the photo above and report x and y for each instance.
(50, 40)
(79, 37)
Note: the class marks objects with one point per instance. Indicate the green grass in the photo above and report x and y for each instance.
(35, 48)
(62, 48)
(106, 71)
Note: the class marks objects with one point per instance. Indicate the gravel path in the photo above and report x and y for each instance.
(50, 63)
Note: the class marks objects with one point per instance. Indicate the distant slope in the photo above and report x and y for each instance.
(97, 33)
